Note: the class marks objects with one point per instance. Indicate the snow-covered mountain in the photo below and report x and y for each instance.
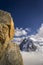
(27, 45)
(29, 41)
(39, 43)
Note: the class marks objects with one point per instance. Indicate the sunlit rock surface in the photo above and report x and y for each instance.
(9, 51)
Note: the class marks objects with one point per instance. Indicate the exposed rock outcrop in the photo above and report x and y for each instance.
(6, 22)
(27, 45)
(9, 52)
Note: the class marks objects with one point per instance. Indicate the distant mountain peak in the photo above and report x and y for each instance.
(27, 45)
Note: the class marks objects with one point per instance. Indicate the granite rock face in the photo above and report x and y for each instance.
(6, 22)
(9, 51)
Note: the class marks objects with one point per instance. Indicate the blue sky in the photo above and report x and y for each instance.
(26, 13)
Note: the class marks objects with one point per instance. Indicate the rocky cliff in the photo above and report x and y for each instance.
(9, 51)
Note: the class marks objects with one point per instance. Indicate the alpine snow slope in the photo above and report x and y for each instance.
(36, 57)
(32, 58)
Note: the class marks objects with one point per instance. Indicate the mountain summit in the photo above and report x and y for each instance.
(27, 45)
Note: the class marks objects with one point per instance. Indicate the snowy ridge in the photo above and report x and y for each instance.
(36, 42)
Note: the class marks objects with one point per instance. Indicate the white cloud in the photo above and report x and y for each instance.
(21, 31)
(39, 33)
(28, 29)
(20, 34)
(17, 40)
